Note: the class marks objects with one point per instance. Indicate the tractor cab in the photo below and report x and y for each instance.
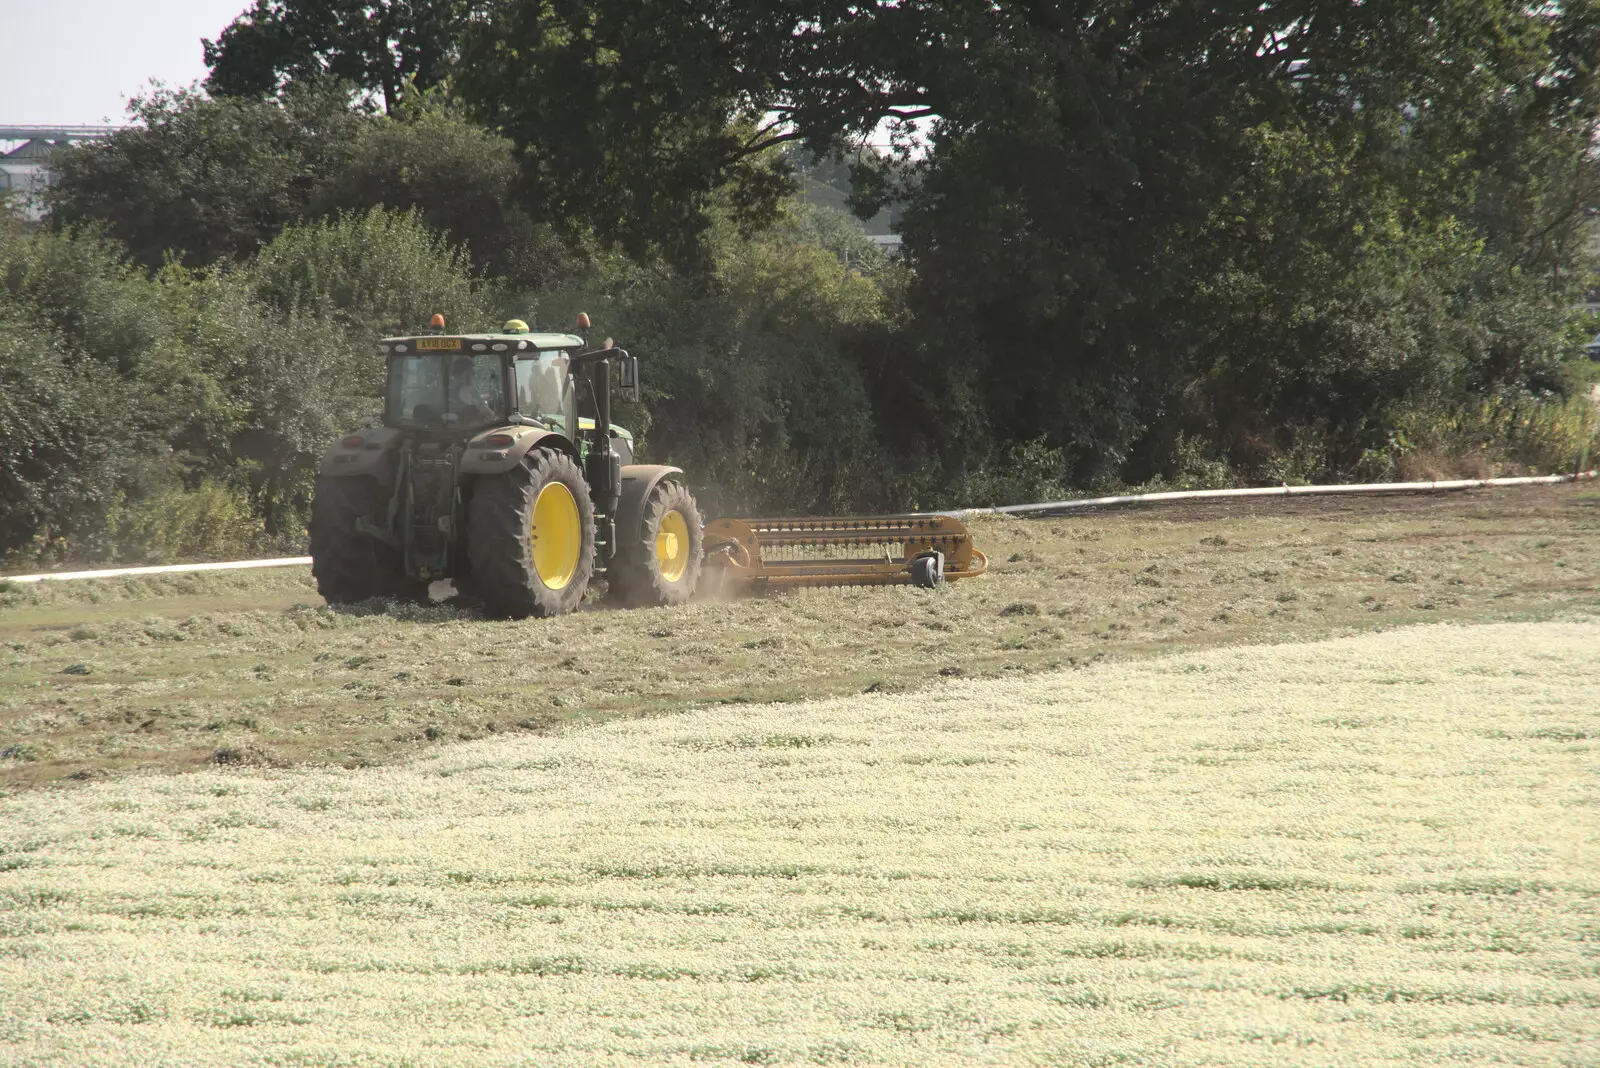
(458, 385)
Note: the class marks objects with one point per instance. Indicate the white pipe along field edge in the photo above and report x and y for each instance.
(962, 513)
(1275, 491)
(164, 569)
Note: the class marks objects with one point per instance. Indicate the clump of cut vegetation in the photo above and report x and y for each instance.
(1235, 857)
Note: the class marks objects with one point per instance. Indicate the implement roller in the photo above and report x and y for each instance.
(920, 550)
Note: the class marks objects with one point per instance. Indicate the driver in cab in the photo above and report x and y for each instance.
(474, 402)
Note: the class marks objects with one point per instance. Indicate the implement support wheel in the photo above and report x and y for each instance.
(530, 537)
(659, 563)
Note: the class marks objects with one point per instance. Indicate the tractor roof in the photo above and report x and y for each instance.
(537, 341)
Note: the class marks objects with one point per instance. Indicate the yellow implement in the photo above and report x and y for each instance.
(889, 550)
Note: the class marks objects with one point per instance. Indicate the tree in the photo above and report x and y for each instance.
(203, 179)
(629, 118)
(390, 47)
(460, 178)
(212, 180)
(754, 377)
(1073, 209)
(1165, 205)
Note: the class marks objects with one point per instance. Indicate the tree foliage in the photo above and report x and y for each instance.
(118, 386)
(628, 118)
(1173, 241)
(461, 179)
(391, 47)
(204, 179)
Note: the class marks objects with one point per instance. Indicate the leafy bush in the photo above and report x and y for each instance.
(376, 273)
(1026, 473)
(125, 390)
(754, 377)
(178, 523)
(61, 456)
(1496, 437)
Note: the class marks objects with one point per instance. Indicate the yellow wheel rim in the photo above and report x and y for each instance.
(672, 546)
(556, 536)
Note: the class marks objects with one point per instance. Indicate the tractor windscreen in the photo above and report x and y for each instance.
(544, 390)
(437, 392)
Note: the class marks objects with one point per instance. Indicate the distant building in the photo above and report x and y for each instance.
(889, 243)
(25, 164)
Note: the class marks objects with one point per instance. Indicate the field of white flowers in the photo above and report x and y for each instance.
(1379, 850)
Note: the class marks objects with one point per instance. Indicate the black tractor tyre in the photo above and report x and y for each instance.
(350, 566)
(639, 576)
(503, 537)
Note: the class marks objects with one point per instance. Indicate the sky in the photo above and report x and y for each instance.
(75, 62)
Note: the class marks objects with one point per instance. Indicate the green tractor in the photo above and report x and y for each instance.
(497, 467)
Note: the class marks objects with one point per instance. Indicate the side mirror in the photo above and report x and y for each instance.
(628, 378)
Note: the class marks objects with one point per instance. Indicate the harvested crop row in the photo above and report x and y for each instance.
(1376, 850)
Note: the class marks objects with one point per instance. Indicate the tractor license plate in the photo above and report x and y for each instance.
(450, 344)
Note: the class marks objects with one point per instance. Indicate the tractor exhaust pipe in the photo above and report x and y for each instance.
(602, 467)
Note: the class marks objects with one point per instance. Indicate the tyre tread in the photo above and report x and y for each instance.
(347, 564)
(498, 521)
(634, 577)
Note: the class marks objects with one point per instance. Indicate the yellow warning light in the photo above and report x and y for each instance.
(515, 326)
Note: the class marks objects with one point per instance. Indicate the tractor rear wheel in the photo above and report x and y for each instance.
(659, 563)
(350, 566)
(530, 537)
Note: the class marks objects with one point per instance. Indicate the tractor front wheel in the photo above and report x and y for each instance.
(530, 537)
(659, 563)
(350, 566)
